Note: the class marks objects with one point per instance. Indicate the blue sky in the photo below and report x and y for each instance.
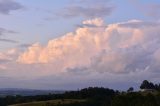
(31, 24)
(75, 39)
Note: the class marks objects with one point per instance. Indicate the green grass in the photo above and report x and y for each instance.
(50, 102)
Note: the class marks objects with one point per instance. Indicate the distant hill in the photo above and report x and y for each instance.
(51, 102)
(26, 92)
(92, 96)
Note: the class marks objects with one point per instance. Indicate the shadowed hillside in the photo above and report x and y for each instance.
(149, 95)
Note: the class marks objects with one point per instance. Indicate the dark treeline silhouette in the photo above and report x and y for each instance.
(96, 96)
(149, 85)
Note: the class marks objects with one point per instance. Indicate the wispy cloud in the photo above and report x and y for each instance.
(3, 31)
(24, 45)
(8, 40)
(149, 9)
(89, 12)
(85, 9)
(152, 10)
(90, 1)
(6, 6)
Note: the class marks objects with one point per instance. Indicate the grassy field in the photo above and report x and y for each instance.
(50, 102)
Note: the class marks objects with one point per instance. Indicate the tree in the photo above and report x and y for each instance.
(144, 85)
(147, 85)
(131, 89)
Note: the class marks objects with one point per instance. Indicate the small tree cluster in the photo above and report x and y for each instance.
(149, 85)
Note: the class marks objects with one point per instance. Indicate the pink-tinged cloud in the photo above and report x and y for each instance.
(73, 49)
(115, 48)
(104, 53)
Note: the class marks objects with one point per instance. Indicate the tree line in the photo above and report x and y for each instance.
(96, 96)
(149, 85)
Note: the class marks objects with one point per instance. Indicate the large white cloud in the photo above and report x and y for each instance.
(103, 53)
(121, 47)
(71, 50)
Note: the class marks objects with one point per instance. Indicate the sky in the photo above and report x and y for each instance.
(72, 44)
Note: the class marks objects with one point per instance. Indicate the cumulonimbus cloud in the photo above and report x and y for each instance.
(116, 48)
(114, 54)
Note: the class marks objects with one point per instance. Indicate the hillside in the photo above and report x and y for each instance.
(50, 102)
(95, 97)
(92, 96)
(26, 92)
